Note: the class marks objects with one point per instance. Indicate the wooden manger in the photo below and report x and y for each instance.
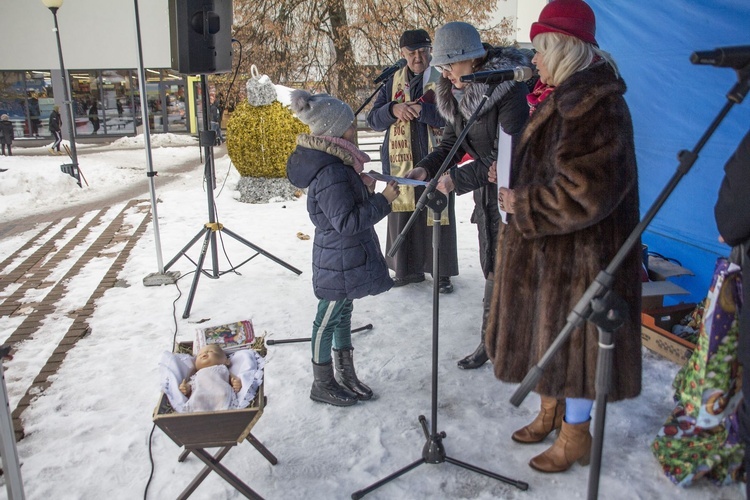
(218, 429)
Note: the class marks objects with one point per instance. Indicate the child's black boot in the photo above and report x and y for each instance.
(325, 389)
(346, 375)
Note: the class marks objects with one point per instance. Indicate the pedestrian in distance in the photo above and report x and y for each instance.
(347, 261)
(6, 134)
(94, 117)
(55, 127)
(214, 114)
(34, 114)
(572, 203)
(405, 108)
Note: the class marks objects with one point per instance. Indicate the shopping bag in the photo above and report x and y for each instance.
(701, 436)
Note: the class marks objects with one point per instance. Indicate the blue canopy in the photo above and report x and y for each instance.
(673, 102)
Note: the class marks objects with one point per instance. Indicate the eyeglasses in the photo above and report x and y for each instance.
(443, 67)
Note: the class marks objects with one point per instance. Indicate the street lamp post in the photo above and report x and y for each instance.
(53, 5)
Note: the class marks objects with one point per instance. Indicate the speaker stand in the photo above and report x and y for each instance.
(209, 230)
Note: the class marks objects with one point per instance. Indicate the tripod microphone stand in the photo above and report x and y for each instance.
(367, 101)
(207, 140)
(600, 305)
(433, 451)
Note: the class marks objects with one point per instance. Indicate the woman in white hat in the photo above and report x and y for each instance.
(458, 51)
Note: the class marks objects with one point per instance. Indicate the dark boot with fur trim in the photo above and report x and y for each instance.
(346, 375)
(325, 389)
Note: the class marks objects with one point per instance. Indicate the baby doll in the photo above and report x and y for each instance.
(212, 387)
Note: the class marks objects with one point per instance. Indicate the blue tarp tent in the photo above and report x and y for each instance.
(673, 102)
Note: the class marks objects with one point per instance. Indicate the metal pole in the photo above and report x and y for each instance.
(66, 93)
(147, 139)
(11, 466)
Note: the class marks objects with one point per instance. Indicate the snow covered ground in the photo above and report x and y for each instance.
(89, 435)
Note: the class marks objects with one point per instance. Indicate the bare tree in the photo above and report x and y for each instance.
(337, 46)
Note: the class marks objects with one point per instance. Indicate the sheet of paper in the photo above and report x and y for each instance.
(401, 180)
(504, 145)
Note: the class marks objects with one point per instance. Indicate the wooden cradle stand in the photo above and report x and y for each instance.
(219, 429)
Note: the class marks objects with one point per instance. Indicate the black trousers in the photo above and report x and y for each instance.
(58, 139)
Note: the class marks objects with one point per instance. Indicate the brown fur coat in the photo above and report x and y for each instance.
(576, 186)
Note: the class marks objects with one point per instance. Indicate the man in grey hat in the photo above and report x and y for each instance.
(405, 108)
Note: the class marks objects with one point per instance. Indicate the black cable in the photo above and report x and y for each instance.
(150, 459)
(231, 84)
(223, 248)
(174, 311)
(226, 177)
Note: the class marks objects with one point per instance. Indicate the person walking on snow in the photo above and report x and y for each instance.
(55, 124)
(6, 134)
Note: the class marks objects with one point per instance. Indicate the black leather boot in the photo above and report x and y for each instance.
(346, 376)
(479, 356)
(325, 388)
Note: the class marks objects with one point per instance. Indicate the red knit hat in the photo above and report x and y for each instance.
(569, 17)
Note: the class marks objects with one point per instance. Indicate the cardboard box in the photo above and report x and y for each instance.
(659, 270)
(656, 332)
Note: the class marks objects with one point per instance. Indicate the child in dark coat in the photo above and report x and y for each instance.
(6, 133)
(347, 261)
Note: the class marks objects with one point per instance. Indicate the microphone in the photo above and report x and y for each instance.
(519, 74)
(723, 57)
(388, 72)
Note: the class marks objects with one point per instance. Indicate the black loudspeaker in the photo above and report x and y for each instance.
(201, 36)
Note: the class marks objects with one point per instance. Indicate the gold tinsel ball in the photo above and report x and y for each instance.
(261, 138)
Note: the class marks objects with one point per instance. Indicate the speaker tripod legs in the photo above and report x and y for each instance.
(198, 270)
(209, 232)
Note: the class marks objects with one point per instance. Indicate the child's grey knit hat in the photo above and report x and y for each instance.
(325, 115)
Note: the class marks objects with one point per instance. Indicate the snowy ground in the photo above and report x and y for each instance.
(88, 435)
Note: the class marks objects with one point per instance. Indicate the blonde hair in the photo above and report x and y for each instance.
(565, 54)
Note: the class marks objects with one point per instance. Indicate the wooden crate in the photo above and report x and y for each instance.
(656, 332)
(208, 429)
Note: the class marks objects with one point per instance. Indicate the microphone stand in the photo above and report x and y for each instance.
(433, 451)
(600, 306)
(382, 83)
(367, 101)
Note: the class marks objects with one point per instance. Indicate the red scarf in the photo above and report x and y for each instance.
(541, 92)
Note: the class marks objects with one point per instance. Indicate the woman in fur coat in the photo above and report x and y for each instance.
(574, 202)
(458, 51)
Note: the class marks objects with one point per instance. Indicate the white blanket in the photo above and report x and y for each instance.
(211, 391)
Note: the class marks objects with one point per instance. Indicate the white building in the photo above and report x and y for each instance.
(100, 53)
(523, 12)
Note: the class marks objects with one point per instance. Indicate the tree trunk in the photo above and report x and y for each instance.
(344, 83)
